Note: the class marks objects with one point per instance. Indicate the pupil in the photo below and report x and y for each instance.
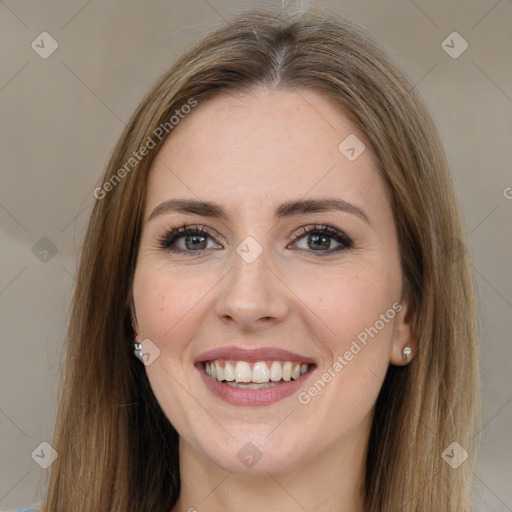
(323, 240)
(198, 242)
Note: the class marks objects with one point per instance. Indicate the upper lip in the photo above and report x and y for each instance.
(252, 355)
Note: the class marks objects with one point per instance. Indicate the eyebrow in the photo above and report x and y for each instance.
(287, 209)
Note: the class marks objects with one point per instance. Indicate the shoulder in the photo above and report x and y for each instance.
(31, 508)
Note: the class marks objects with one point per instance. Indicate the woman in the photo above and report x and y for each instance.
(274, 241)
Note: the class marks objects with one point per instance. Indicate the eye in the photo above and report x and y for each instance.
(319, 240)
(322, 239)
(187, 239)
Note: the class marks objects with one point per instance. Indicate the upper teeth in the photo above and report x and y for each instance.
(241, 371)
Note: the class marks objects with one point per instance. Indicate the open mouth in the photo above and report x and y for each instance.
(255, 375)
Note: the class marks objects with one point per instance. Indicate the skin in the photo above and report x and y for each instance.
(249, 153)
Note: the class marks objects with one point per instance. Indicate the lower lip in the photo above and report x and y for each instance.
(252, 397)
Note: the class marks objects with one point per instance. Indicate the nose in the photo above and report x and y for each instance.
(252, 297)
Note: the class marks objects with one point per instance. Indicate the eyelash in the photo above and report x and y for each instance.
(177, 232)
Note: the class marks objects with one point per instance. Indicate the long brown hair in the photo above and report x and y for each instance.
(117, 450)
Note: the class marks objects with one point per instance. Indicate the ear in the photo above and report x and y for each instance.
(403, 335)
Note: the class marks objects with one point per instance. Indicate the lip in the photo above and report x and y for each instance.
(253, 397)
(252, 355)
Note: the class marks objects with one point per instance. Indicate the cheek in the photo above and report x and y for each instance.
(163, 301)
(349, 301)
(354, 312)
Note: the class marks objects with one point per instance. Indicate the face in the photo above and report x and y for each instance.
(286, 272)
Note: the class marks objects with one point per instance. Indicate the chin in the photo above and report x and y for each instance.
(254, 454)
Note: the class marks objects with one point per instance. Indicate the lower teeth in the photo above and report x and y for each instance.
(241, 385)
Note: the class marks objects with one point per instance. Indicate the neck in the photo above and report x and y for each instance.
(331, 481)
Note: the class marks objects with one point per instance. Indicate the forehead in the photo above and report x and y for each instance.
(262, 148)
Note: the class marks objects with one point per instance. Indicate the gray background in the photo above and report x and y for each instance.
(62, 115)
